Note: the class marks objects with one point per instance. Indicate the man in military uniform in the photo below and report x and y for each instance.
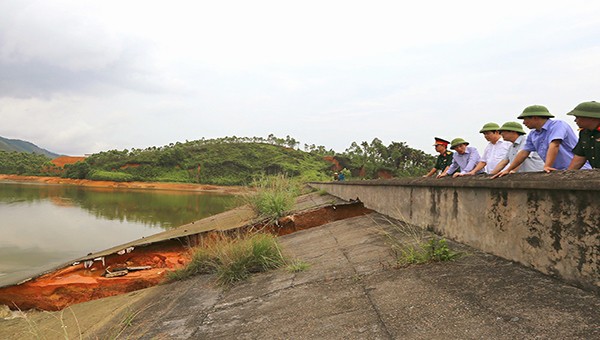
(444, 158)
(587, 117)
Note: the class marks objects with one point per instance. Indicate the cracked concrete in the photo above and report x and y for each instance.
(352, 290)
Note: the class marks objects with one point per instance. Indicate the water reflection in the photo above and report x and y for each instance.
(43, 225)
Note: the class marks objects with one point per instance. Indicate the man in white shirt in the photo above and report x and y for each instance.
(513, 132)
(494, 152)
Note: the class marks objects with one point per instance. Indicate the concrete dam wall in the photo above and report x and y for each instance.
(550, 222)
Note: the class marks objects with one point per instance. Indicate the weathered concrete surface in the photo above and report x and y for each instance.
(550, 222)
(351, 291)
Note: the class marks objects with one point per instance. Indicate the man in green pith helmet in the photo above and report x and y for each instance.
(465, 159)
(494, 152)
(587, 117)
(552, 139)
(444, 158)
(513, 132)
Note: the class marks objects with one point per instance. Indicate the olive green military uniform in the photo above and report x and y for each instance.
(589, 140)
(444, 160)
(589, 147)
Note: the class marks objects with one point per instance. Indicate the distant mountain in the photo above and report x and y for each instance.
(24, 146)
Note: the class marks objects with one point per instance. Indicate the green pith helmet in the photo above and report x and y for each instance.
(489, 127)
(536, 111)
(456, 142)
(586, 109)
(512, 126)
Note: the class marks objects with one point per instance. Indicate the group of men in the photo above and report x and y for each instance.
(550, 145)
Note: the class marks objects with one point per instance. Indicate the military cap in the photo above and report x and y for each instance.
(536, 111)
(512, 126)
(456, 142)
(586, 109)
(490, 127)
(440, 141)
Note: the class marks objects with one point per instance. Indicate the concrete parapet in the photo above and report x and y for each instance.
(550, 222)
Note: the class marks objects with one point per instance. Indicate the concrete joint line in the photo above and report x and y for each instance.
(208, 312)
(365, 290)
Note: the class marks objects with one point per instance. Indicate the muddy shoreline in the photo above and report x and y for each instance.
(233, 190)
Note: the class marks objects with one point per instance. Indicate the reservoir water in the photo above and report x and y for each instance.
(46, 225)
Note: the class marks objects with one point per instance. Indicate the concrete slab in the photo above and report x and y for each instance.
(352, 290)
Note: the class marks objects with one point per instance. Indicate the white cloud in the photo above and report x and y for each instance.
(122, 74)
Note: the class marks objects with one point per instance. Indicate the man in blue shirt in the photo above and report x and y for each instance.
(553, 140)
(465, 159)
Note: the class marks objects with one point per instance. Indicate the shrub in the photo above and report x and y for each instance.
(78, 170)
(274, 196)
(233, 259)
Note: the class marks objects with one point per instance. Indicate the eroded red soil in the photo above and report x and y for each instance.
(63, 160)
(75, 284)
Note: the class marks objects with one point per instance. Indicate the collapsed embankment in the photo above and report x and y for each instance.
(146, 265)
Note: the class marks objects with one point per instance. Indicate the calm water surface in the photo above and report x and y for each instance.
(45, 225)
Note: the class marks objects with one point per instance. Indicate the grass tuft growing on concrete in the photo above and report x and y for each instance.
(433, 250)
(274, 196)
(297, 266)
(233, 259)
(411, 245)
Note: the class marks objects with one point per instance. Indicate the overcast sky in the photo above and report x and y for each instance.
(81, 77)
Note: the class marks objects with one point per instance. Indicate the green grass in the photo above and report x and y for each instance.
(233, 259)
(433, 250)
(116, 176)
(322, 192)
(411, 245)
(297, 266)
(274, 196)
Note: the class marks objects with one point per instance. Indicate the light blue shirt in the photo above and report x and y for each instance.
(539, 141)
(532, 163)
(466, 161)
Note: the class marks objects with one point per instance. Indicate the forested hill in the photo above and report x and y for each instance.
(24, 146)
(231, 161)
(220, 161)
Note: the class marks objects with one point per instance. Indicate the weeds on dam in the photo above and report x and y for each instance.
(412, 245)
(274, 196)
(297, 266)
(233, 258)
(433, 250)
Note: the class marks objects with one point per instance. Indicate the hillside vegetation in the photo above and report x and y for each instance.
(233, 161)
(18, 145)
(220, 162)
(26, 163)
